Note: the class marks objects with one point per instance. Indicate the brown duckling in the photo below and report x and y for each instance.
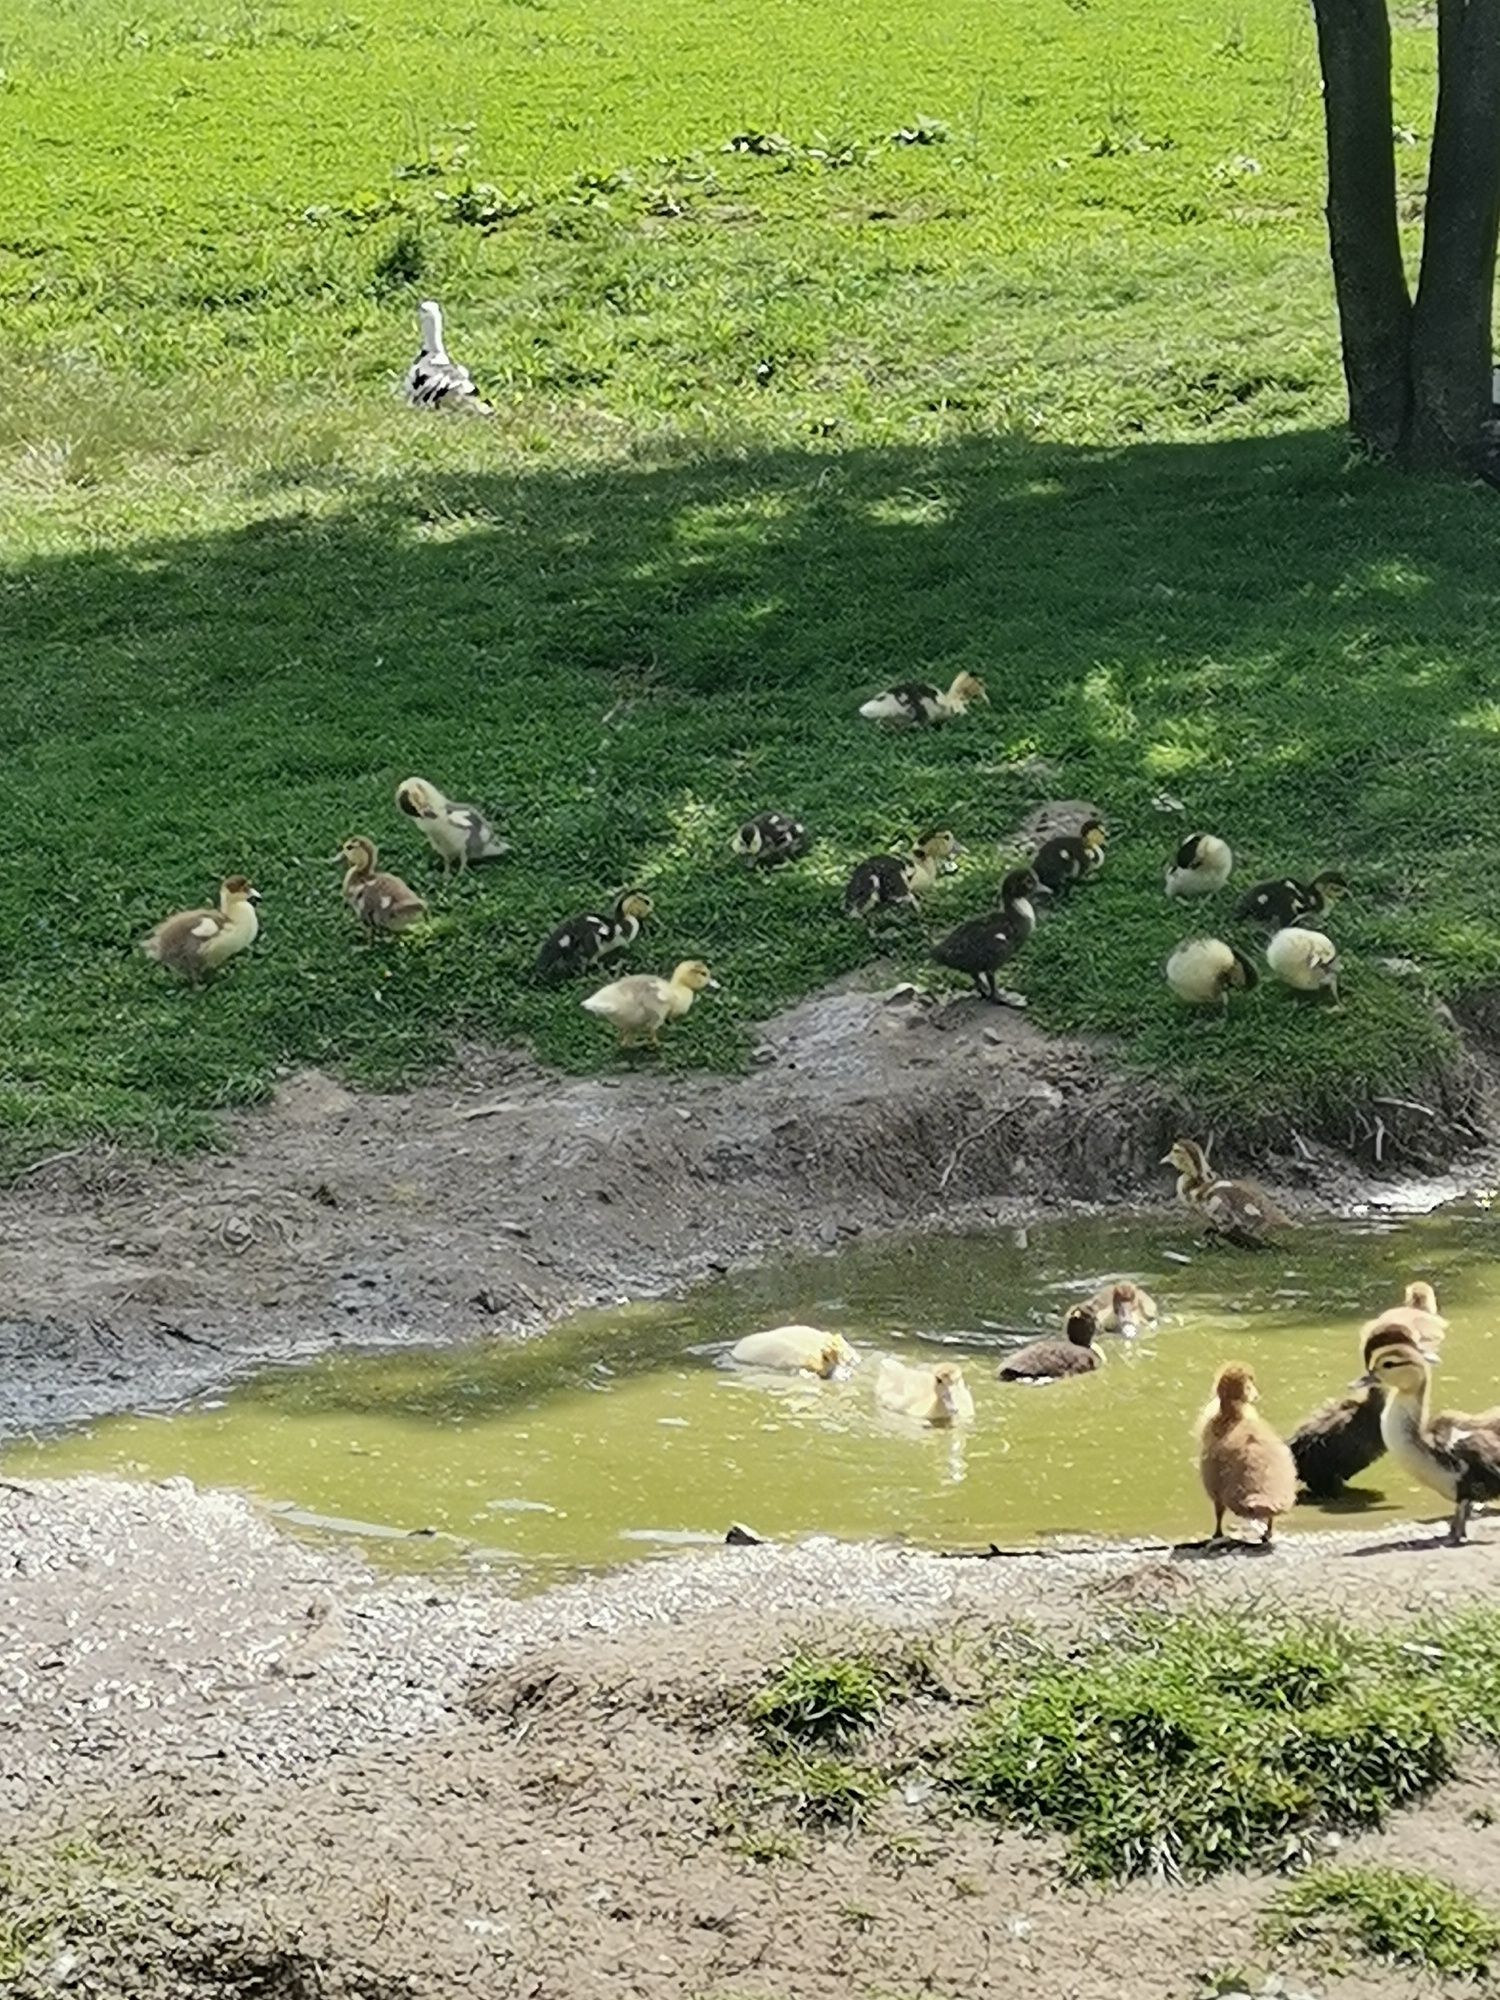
(892, 881)
(1070, 858)
(1245, 1468)
(1463, 1466)
(1234, 1211)
(195, 943)
(1123, 1308)
(983, 945)
(1049, 1360)
(381, 902)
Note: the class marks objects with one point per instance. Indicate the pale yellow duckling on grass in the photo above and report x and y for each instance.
(382, 902)
(640, 1007)
(1245, 1468)
(938, 1396)
(1307, 961)
(796, 1350)
(195, 943)
(456, 834)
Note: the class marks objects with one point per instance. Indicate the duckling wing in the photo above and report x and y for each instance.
(481, 842)
(1476, 1458)
(1044, 1359)
(982, 945)
(436, 382)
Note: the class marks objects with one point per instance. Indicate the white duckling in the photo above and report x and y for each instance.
(641, 1005)
(796, 1350)
(1203, 972)
(1200, 867)
(938, 1396)
(435, 381)
(916, 703)
(194, 943)
(1307, 961)
(456, 834)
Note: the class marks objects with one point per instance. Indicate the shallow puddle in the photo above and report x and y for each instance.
(626, 1433)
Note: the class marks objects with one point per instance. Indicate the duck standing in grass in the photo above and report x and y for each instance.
(1204, 971)
(796, 1350)
(938, 1396)
(770, 839)
(457, 835)
(1307, 961)
(1284, 899)
(435, 381)
(1123, 1308)
(919, 705)
(194, 943)
(1234, 1211)
(381, 902)
(640, 1006)
(1200, 867)
(1050, 1360)
(1070, 858)
(894, 882)
(984, 944)
(1463, 1466)
(1245, 1468)
(584, 941)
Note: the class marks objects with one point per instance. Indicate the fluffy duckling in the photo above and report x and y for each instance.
(1200, 867)
(1416, 1321)
(1245, 1468)
(1307, 961)
(889, 881)
(1344, 1437)
(381, 902)
(1071, 858)
(435, 381)
(770, 839)
(1461, 1465)
(641, 1005)
(1123, 1308)
(585, 940)
(1285, 899)
(917, 704)
(457, 835)
(1234, 1211)
(194, 943)
(983, 945)
(796, 1350)
(1047, 1360)
(1204, 971)
(932, 1395)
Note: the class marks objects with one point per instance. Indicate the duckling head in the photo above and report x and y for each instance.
(1389, 1334)
(1094, 835)
(1331, 884)
(695, 975)
(1235, 1388)
(1421, 1297)
(635, 903)
(1019, 886)
(940, 846)
(947, 1380)
(968, 688)
(1188, 1157)
(237, 889)
(836, 1357)
(748, 840)
(1400, 1371)
(359, 852)
(419, 800)
(1126, 1301)
(1081, 1327)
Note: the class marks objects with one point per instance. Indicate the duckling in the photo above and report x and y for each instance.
(197, 942)
(796, 1350)
(918, 704)
(456, 834)
(1461, 1465)
(1343, 1438)
(1061, 864)
(1245, 1468)
(1204, 971)
(770, 839)
(983, 945)
(1123, 1308)
(1283, 900)
(435, 381)
(932, 1395)
(581, 942)
(641, 1005)
(887, 881)
(1200, 867)
(1307, 961)
(1416, 1321)
(1235, 1211)
(381, 902)
(1046, 1360)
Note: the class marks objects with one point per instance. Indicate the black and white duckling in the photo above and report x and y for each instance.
(1071, 858)
(1245, 1468)
(640, 1006)
(796, 1350)
(435, 381)
(1234, 1211)
(381, 902)
(1461, 1465)
(1124, 1308)
(1285, 899)
(1200, 867)
(1204, 971)
(456, 834)
(917, 704)
(194, 943)
(893, 881)
(770, 839)
(1048, 1360)
(984, 944)
(938, 1396)
(1307, 961)
(581, 942)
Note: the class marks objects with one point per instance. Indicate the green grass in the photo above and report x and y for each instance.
(815, 1700)
(1055, 397)
(1394, 1914)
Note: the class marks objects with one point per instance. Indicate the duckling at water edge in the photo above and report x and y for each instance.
(1204, 971)
(932, 1395)
(641, 1005)
(381, 902)
(889, 881)
(796, 1350)
(1047, 1360)
(194, 943)
(1123, 1308)
(457, 835)
(1200, 867)
(1344, 1437)
(1463, 1466)
(1284, 900)
(770, 839)
(1071, 858)
(1235, 1211)
(1245, 1468)
(983, 945)
(918, 704)
(435, 381)
(1307, 961)
(582, 942)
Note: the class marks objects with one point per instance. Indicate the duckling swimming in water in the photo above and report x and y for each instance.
(194, 943)
(919, 705)
(1234, 1211)
(983, 945)
(936, 1396)
(641, 1005)
(1123, 1308)
(457, 835)
(1200, 867)
(381, 902)
(1283, 900)
(1462, 1466)
(1062, 863)
(1416, 1321)
(1048, 1360)
(1204, 971)
(584, 941)
(1307, 961)
(887, 881)
(1245, 1468)
(770, 839)
(796, 1350)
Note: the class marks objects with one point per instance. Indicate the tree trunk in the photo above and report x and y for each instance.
(1452, 324)
(1375, 311)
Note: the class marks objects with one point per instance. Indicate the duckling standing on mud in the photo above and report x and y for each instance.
(584, 941)
(938, 1396)
(1283, 900)
(457, 835)
(770, 839)
(1245, 1468)
(1062, 863)
(640, 1007)
(796, 1350)
(1307, 961)
(919, 705)
(1123, 1308)
(1344, 1437)
(1462, 1466)
(1200, 867)
(195, 943)
(983, 945)
(1049, 1360)
(891, 882)
(1203, 972)
(1234, 1211)
(381, 902)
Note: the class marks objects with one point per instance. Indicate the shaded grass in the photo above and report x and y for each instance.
(1395, 1914)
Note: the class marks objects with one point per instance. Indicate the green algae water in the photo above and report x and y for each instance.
(626, 1434)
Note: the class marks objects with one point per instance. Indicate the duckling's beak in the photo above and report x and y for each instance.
(252, 895)
(1364, 1382)
(1167, 1160)
(714, 986)
(1041, 889)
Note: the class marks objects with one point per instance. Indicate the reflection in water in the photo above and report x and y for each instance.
(626, 1433)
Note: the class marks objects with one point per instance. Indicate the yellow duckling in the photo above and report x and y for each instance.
(197, 942)
(796, 1350)
(456, 834)
(641, 1005)
(381, 902)
(931, 1395)
(1234, 1211)
(1200, 867)
(1307, 961)
(1461, 1465)
(1245, 1468)
(1416, 1321)
(1123, 1308)
(916, 703)
(1204, 971)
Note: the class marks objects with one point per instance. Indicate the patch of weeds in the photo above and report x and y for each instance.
(820, 1792)
(815, 1700)
(479, 205)
(1395, 1914)
(766, 1845)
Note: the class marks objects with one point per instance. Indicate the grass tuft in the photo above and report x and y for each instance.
(1395, 1914)
(816, 1701)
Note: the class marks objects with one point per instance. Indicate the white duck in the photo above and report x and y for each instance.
(795, 1350)
(937, 1395)
(435, 381)
(456, 834)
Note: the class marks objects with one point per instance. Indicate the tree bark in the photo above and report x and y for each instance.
(1375, 310)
